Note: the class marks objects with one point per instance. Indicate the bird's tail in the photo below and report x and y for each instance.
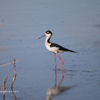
(71, 51)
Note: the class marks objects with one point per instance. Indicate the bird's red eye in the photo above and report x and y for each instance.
(47, 33)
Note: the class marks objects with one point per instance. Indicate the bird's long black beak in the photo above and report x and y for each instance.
(41, 36)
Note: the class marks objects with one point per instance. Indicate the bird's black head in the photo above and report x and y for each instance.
(48, 32)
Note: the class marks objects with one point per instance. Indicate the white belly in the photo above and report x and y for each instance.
(52, 49)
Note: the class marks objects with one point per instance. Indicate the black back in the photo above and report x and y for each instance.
(61, 48)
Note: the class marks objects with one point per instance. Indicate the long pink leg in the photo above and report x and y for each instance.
(61, 79)
(61, 60)
(55, 78)
(55, 60)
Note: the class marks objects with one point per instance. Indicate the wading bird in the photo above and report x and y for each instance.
(53, 47)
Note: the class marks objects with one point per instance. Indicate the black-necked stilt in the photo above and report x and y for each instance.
(53, 47)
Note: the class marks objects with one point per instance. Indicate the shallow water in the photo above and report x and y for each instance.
(75, 26)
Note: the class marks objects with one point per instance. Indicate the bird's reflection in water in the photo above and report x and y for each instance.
(57, 89)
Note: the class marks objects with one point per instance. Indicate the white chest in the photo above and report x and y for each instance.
(52, 49)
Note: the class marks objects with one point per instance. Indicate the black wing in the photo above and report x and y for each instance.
(61, 48)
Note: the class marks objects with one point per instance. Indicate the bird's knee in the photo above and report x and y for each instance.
(62, 62)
